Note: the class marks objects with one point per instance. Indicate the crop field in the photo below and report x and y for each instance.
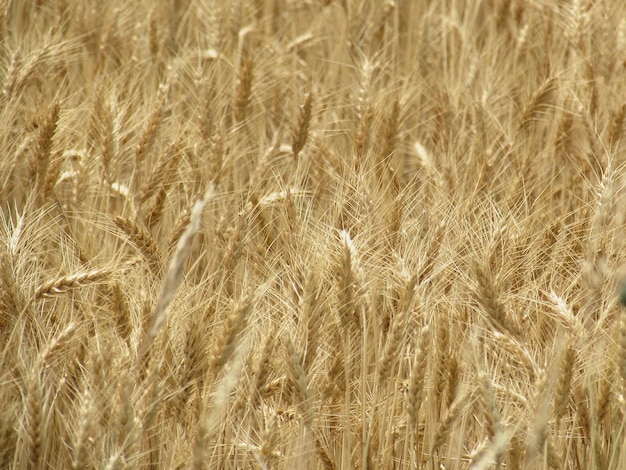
(308, 234)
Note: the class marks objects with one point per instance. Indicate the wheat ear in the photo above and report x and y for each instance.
(33, 416)
(173, 276)
(416, 386)
(143, 242)
(64, 284)
(235, 323)
(243, 90)
(443, 431)
(83, 433)
(300, 132)
(398, 330)
(41, 158)
(542, 100)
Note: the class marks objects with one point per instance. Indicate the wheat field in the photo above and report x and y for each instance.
(302, 234)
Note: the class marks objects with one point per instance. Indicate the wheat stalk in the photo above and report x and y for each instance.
(173, 276)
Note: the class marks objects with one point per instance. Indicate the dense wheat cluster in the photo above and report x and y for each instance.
(286, 234)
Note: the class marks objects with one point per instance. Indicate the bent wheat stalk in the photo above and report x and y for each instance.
(173, 276)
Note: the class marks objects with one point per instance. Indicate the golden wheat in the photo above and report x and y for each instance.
(322, 234)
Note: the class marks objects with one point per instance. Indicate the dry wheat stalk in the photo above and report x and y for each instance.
(488, 158)
(442, 348)
(617, 127)
(11, 297)
(540, 442)
(494, 451)
(173, 276)
(600, 459)
(605, 396)
(345, 273)
(179, 227)
(126, 429)
(582, 410)
(107, 141)
(155, 211)
(234, 248)
(320, 451)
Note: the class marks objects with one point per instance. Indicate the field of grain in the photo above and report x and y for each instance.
(302, 234)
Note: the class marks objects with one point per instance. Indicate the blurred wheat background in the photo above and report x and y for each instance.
(286, 234)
